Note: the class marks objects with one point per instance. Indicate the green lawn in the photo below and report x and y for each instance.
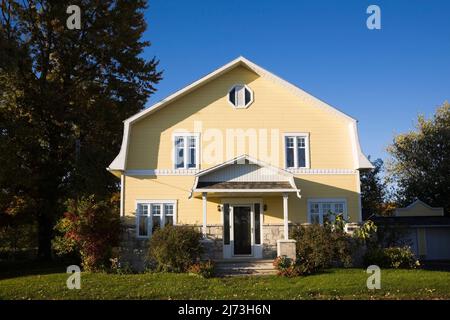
(334, 284)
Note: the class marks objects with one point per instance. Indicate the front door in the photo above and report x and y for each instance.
(242, 230)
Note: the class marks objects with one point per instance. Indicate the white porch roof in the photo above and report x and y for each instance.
(244, 174)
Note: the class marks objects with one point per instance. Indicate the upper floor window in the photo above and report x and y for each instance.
(186, 151)
(240, 96)
(321, 210)
(297, 150)
(152, 215)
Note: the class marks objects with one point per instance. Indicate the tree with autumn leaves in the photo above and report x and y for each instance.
(63, 96)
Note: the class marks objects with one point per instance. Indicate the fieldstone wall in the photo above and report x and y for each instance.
(213, 243)
(132, 250)
(271, 234)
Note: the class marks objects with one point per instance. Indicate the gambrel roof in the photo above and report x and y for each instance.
(360, 160)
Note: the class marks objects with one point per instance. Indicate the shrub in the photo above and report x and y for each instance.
(392, 257)
(320, 247)
(90, 229)
(203, 268)
(285, 267)
(120, 267)
(175, 248)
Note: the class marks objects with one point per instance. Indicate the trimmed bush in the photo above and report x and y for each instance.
(320, 247)
(205, 269)
(174, 248)
(393, 257)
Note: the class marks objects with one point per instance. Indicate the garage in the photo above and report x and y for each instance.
(427, 230)
(437, 243)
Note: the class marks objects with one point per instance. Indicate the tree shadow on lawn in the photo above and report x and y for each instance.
(21, 268)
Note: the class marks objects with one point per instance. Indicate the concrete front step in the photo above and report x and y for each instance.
(244, 267)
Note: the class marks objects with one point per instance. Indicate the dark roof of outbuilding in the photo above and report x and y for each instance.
(413, 221)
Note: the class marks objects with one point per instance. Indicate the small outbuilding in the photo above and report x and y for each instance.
(427, 229)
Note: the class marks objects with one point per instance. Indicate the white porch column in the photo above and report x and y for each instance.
(285, 216)
(204, 198)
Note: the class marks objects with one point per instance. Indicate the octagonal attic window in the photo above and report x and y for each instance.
(240, 96)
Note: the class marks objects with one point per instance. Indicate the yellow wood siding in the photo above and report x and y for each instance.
(190, 210)
(274, 108)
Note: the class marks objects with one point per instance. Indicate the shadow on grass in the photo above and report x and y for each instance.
(21, 268)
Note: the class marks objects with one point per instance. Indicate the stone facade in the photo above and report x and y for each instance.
(134, 250)
(213, 243)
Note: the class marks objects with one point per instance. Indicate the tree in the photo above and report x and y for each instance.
(64, 94)
(373, 189)
(420, 165)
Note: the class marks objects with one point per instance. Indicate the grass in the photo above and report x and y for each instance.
(47, 283)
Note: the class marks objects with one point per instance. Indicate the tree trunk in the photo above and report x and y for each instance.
(45, 231)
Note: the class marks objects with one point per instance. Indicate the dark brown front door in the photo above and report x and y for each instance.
(242, 230)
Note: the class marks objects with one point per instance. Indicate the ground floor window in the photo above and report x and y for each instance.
(151, 215)
(321, 209)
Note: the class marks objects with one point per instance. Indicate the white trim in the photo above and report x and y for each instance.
(119, 163)
(228, 250)
(204, 210)
(304, 135)
(245, 87)
(286, 216)
(162, 202)
(162, 172)
(331, 171)
(193, 172)
(324, 200)
(360, 160)
(122, 195)
(358, 189)
(186, 152)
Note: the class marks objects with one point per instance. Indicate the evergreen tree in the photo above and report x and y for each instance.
(63, 96)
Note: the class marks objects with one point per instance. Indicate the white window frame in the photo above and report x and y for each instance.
(162, 204)
(245, 106)
(296, 135)
(185, 136)
(325, 200)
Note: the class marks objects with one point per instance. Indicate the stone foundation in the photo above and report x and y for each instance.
(134, 251)
(213, 244)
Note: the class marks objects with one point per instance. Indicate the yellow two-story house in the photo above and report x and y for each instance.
(242, 154)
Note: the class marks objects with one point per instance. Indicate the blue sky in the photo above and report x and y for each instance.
(384, 78)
